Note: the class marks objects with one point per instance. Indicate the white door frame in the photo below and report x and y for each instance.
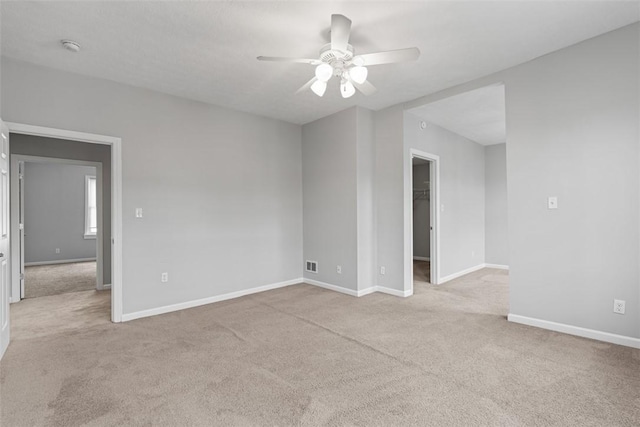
(434, 189)
(5, 262)
(17, 263)
(116, 197)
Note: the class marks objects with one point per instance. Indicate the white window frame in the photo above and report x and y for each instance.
(88, 234)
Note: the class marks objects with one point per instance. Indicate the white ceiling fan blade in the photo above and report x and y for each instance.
(298, 60)
(340, 31)
(307, 85)
(366, 87)
(388, 57)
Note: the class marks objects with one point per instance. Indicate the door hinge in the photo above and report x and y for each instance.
(21, 227)
(21, 276)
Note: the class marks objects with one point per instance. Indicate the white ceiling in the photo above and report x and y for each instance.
(478, 115)
(207, 50)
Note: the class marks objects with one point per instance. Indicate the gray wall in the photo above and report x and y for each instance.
(389, 197)
(338, 189)
(329, 177)
(573, 132)
(496, 244)
(461, 192)
(221, 190)
(365, 170)
(572, 126)
(421, 212)
(54, 210)
(58, 148)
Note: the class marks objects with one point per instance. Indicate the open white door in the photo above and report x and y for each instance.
(4, 239)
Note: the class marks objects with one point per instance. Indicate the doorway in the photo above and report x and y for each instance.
(468, 133)
(59, 219)
(421, 221)
(424, 218)
(49, 140)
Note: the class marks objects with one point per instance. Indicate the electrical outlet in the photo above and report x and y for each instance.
(138, 212)
(618, 306)
(57, 250)
(339, 269)
(383, 270)
(552, 202)
(164, 278)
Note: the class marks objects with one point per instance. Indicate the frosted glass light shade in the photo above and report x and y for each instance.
(324, 72)
(358, 74)
(319, 87)
(346, 89)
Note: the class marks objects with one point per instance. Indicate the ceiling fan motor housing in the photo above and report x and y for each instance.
(330, 56)
(338, 59)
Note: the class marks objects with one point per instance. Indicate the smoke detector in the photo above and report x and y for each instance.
(70, 45)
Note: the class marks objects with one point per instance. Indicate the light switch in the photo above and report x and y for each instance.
(553, 202)
(138, 212)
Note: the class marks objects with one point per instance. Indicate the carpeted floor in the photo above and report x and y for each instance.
(421, 271)
(303, 355)
(55, 279)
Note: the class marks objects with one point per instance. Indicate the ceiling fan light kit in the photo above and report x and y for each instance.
(324, 72)
(319, 87)
(358, 74)
(338, 59)
(347, 89)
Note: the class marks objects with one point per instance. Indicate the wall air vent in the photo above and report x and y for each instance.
(312, 266)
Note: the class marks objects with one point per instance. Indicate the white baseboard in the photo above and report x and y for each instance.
(333, 287)
(59, 261)
(421, 258)
(361, 292)
(576, 330)
(498, 266)
(394, 292)
(196, 303)
(460, 273)
(105, 287)
(471, 270)
(367, 291)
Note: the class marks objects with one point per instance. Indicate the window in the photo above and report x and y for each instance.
(90, 207)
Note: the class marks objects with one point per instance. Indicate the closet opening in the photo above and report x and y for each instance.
(422, 227)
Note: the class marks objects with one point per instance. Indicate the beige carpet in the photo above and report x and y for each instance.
(421, 271)
(55, 279)
(308, 356)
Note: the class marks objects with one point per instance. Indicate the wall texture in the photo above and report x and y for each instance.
(496, 245)
(329, 147)
(221, 190)
(54, 210)
(58, 148)
(338, 187)
(462, 208)
(572, 132)
(365, 170)
(572, 126)
(389, 198)
(421, 212)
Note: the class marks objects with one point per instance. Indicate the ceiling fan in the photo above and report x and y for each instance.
(338, 59)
